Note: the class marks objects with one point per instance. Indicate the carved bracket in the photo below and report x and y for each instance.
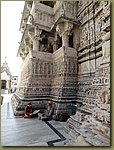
(63, 29)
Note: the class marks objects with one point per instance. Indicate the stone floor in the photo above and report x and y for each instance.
(17, 131)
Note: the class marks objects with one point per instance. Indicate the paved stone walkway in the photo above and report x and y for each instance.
(17, 131)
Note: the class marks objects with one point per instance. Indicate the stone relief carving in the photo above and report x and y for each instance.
(102, 116)
(98, 26)
(84, 36)
(87, 118)
(106, 51)
(104, 96)
(60, 71)
(85, 67)
(30, 19)
(80, 116)
(91, 35)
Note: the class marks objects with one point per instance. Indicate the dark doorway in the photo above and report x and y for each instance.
(50, 48)
(71, 40)
(59, 41)
(3, 84)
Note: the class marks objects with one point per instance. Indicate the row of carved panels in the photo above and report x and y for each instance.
(103, 71)
(55, 95)
(93, 65)
(99, 4)
(87, 67)
(82, 6)
(64, 53)
(91, 27)
(101, 81)
(46, 68)
(89, 35)
(87, 8)
(102, 94)
(41, 89)
(88, 90)
(66, 8)
(92, 92)
(47, 79)
(35, 77)
(103, 12)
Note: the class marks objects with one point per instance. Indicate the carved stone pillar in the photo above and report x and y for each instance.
(36, 39)
(65, 39)
(54, 46)
(63, 30)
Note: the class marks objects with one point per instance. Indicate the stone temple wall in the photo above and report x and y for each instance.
(91, 123)
(37, 74)
(66, 58)
(64, 77)
(49, 68)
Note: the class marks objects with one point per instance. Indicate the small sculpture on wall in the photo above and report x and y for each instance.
(105, 96)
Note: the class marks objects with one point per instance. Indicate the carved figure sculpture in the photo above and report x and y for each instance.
(105, 96)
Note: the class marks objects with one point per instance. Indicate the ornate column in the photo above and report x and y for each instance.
(36, 39)
(63, 30)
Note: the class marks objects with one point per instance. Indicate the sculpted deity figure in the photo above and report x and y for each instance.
(105, 96)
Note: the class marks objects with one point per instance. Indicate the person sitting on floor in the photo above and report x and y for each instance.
(49, 112)
(28, 110)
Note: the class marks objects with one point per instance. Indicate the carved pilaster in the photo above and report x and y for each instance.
(34, 35)
(63, 30)
(36, 39)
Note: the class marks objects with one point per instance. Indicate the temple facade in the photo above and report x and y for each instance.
(65, 49)
(6, 78)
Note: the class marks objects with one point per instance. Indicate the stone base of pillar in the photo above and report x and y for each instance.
(60, 108)
(63, 110)
(19, 104)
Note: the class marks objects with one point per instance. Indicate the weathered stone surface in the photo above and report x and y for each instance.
(66, 57)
